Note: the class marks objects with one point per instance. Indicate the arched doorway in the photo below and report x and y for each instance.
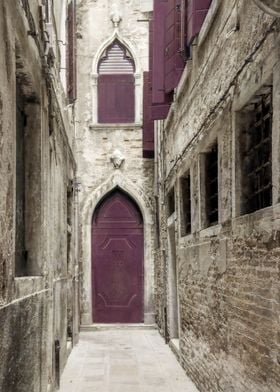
(117, 261)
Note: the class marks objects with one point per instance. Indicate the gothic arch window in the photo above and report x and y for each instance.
(116, 85)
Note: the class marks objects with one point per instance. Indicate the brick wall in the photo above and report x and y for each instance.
(228, 274)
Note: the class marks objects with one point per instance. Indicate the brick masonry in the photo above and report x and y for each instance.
(228, 274)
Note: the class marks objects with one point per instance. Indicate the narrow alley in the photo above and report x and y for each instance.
(139, 195)
(118, 359)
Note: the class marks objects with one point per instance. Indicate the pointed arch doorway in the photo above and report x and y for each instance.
(117, 261)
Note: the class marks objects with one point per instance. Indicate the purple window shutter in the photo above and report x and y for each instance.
(159, 14)
(148, 123)
(196, 13)
(116, 99)
(183, 27)
(174, 63)
(71, 52)
(160, 112)
(160, 102)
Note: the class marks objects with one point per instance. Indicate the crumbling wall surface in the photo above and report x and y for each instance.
(33, 306)
(22, 332)
(228, 274)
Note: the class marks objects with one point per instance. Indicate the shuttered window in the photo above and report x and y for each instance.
(196, 13)
(175, 25)
(71, 52)
(174, 63)
(160, 100)
(116, 86)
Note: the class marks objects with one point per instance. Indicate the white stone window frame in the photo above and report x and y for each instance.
(239, 116)
(138, 83)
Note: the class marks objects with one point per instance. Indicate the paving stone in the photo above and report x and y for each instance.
(124, 361)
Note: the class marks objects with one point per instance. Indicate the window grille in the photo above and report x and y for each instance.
(171, 202)
(20, 245)
(257, 158)
(211, 177)
(186, 205)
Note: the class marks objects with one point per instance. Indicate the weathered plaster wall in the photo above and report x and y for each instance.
(97, 143)
(34, 307)
(228, 275)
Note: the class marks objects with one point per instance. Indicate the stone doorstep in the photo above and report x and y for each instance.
(107, 327)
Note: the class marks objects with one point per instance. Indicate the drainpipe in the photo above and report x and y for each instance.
(57, 362)
(166, 333)
(160, 165)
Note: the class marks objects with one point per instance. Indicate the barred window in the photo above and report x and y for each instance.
(186, 205)
(211, 178)
(170, 202)
(20, 232)
(257, 151)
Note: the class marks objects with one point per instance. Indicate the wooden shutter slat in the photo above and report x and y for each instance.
(116, 61)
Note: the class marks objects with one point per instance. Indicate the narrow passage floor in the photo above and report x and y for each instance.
(121, 360)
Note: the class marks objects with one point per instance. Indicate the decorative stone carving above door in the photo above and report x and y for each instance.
(117, 159)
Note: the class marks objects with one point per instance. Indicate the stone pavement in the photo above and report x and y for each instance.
(123, 360)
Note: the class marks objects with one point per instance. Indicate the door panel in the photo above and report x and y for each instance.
(117, 261)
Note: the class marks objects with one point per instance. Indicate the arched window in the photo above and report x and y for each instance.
(116, 85)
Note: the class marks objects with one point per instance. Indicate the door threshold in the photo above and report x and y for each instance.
(107, 327)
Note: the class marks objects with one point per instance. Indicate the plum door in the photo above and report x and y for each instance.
(117, 261)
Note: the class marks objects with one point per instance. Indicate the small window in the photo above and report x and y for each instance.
(171, 202)
(186, 205)
(211, 188)
(256, 146)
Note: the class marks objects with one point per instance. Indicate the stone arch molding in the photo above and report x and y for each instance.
(137, 75)
(115, 36)
(118, 180)
(92, 201)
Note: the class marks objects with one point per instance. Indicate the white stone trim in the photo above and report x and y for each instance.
(108, 42)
